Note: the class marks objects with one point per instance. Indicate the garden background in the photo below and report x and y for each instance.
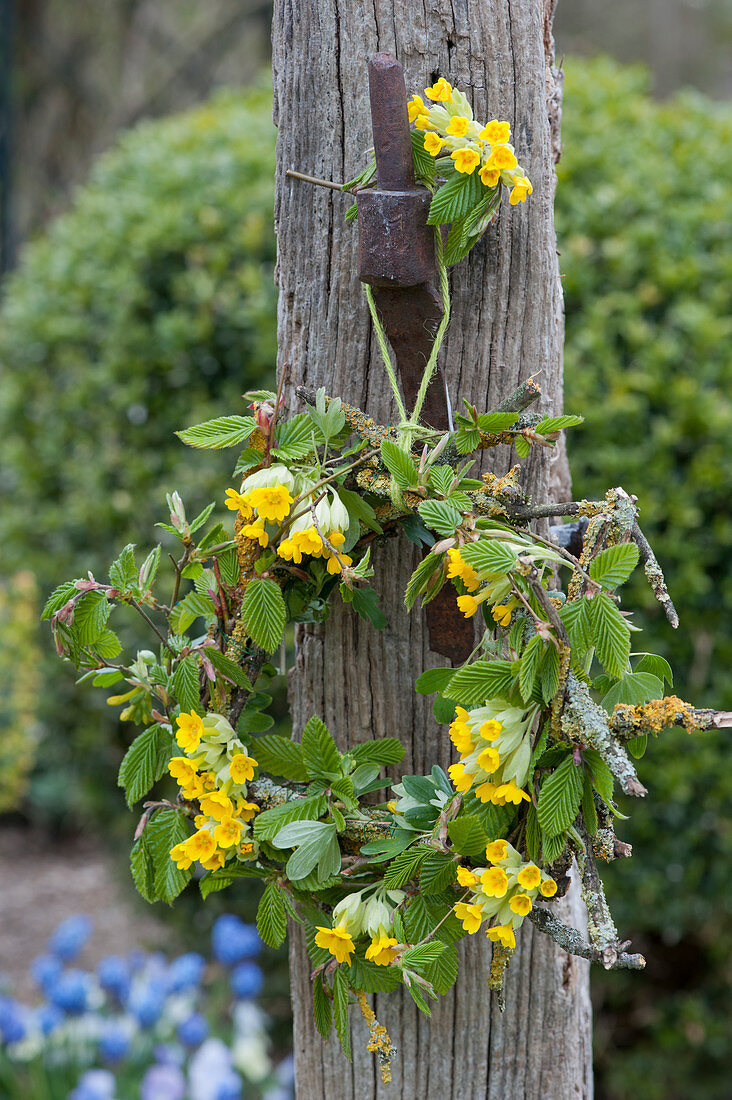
(136, 180)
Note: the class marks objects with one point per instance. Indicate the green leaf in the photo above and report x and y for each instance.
(399, 464)
(383, 750)
(340, 1010)
(637, 746)
(443, 710)
(442, 973)
(602, 777)
(523, 447)
(614, 565)
(224, 431)
(229, 567)
(228, 668)
(90, 617)
(197, 523)
(249, 457)
(404, 868)
(419, 787)
(272, 916)
(424, 162)
(360, 510)
(319, 751)
(424, 914)
(496, 820)
(264, 613)
(434, 679)
(657, 666)
(456, 198)
(269, 823)
(533, 835)
(164, 830)
(216, 881)
(466, 440)
(559, 798)
(380, 851)
(468, 836)
(634, 688)
(440, 515)
(367, 976)
(321, 1008)
(123, 570)
(145, 762)
(589, 810)
(190, 608)
(58, 598)
(425, 954)
(549, 673)
(295, 438)
(149, 569)
(609, 634)
(551, 424)
(107, 645)
(143, 872)
(553, 846)
(497, 421)
(489, 556)
(480, 681)
(366, 604)
(280, 756)
(575, 614)
(438, 871)
(529, 666)
(420, 578)
(186, 684)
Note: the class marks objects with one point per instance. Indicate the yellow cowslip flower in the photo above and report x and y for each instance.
(468, 605)
(208, 779)
(190, 730)
(241, 768)
(489, 760)
(502, 614)
(484, 791)
(217, 805)
(381, 950)
(337, 941)
(470, 916)
(440, 92)
(489, 176)
(182, 770)
(459, 569)
(391, 805)
(422, 122)
(460, 780)
(466, 877)
(194, 789)
(246, 810)
(494, 882)
(289, 552)
(491, 729)
(529, 876)
(548, 888)
(272, 502)
(201, 845)
(416, 106)
(307, 541)
(181, 856)
(433, 143)
(216, 861)
(502, 933)
(336, 538)
(461, 737)
(466, 160)
(228, 832)
(520, 904)
(334, 566)
(237, 502)
(458, 126)
(495, 133)
(521, 188)
(502, 158)
(256, 531)
(496, 851)
(200, 820)
(509, 792)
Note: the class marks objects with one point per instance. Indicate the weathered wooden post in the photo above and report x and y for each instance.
(506, 324)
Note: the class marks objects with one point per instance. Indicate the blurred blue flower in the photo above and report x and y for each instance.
(185, 972)
(194, 1030)
(48, 1018)
(95, 1084)
(71, 992)
(70, 936)
(46, 970)
(229, 1087)
(114, 976)
(163, 1083)
(233, 940)
(146, 1004)
(114, 1042)
(12, 1023)
(246, 980)
(169, 1054)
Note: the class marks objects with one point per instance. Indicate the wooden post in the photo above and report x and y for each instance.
(506, 323)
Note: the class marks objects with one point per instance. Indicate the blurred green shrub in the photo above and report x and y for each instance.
(20, 658)
(148, 307)
(644, 218)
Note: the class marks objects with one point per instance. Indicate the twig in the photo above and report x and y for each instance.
(570, 940)
(544, 599)
(152, 626)
(655, 575)
(313, 179)
(524, 395)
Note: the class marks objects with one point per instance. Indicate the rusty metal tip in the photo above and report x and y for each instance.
(384, 61)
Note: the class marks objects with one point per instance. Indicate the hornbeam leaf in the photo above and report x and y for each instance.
(399, 464)
(229, 669)
(297, 438)
(551, 424)
(264, 613)
(321, 1008)
(480, 681)
(224, 431)
(559, 798)
(456, 198)
(145, 762)
(609, 634)
(269, 823)
(319, 750)
(281, 756)
(164, 830)
(440, 516)
(614, 565)
(382, 750)
(272, 916)
(186, 684)
(489, 556)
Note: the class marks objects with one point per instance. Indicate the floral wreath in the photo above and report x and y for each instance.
(546, 715)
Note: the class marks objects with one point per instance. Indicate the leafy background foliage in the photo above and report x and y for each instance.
(150, 307)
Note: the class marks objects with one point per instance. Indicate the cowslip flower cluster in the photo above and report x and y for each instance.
(503, 892)
(266, 500)
(494, 743)
(369, 911)
(214, 772)
(450, 129)
(494, 588)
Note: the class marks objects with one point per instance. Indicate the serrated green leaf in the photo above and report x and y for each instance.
(614, 565)
(529, 666)
(602, 777)
(319, 751)
(383, 751)
(634, 688)
(437, 872)
(468, 836)
(197, 523)
(589, 810)
(271, 916)
(522, 445)
(399, 464)
(466, 440)
(280, 756)
(551, 424)
(549, 673)
(427, 914)
(575, 614)
(553, 846)
(123, 570)
(443, 710)
(533, 835)
(58, 598)
(164, 830)
(404, 868)
(264, 613)
(340, 1010)
(90, 617)
(559, 798)
(229, 569)
(480, 681)
(421, 576)
(456, 198)
(366, 604)
(143, 872)
(496, 820)
(216, 881)
(497, 421)
(190, 608)
(367, 976)
(224, 431)
(228, 668)
(321, 1008)
(434, 679)
(440, 515)
(145, 762)
(107, 645)
(425, 954)
(489, 556)
(296, 438)
(248, 457)
(442, 973)
(186, 684)
(609, 635)
(269, 823)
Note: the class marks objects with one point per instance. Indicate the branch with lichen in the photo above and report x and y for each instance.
(572, 941)
(655, 575)
(584, 722)
(627, 721)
